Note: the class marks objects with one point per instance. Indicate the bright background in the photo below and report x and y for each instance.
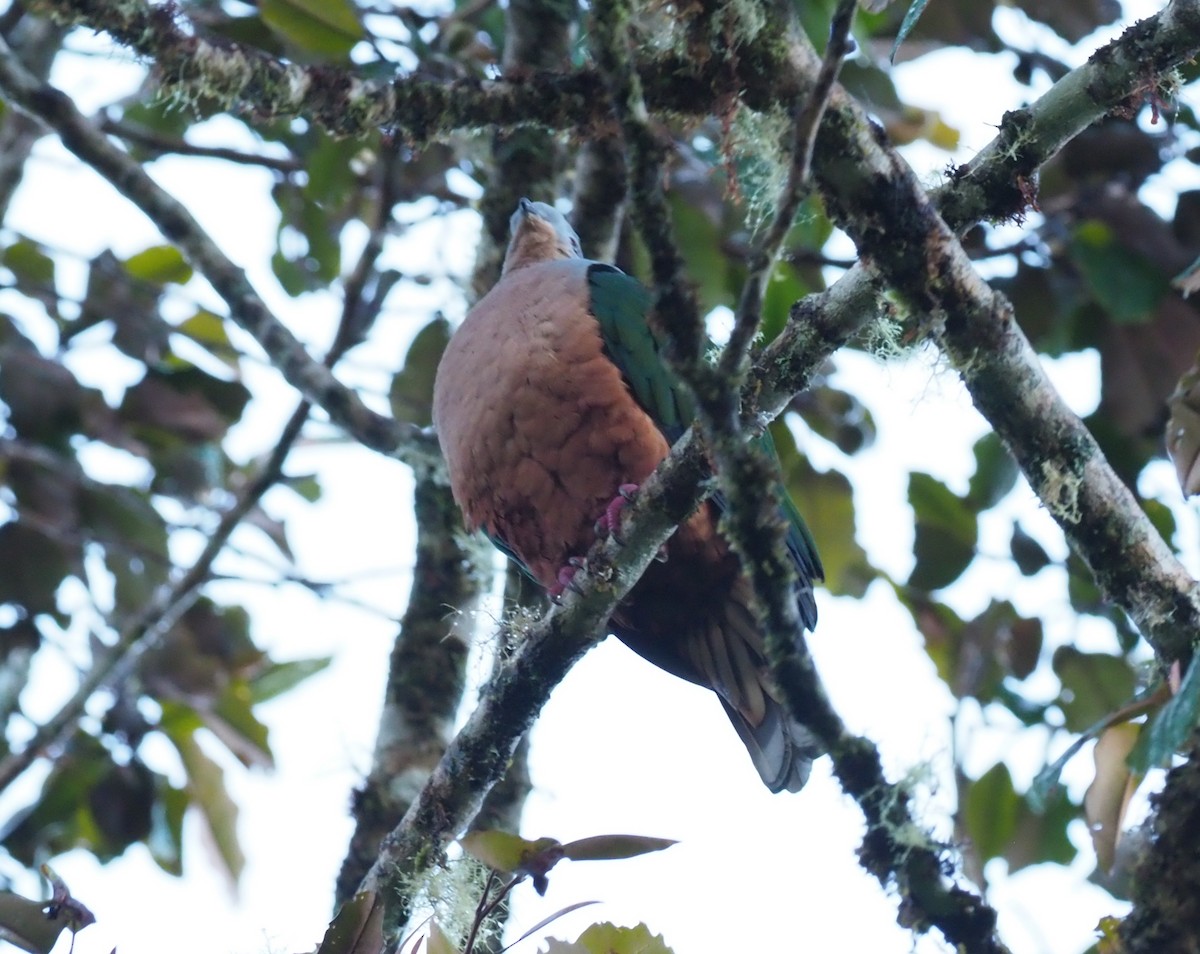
(622, 747)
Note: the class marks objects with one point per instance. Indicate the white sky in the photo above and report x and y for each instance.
(621, 747)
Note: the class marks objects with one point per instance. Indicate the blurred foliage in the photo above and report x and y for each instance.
(1091, 272)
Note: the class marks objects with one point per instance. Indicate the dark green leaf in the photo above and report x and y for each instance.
(916, 8)
(357, 928)
(837, 416)
(995, 473)
(1093, 685)
(277, 678)
(946, 533)
(1175, 721)
(1027, 553)
(412, 387)
(991, 811)
(32, 565)
(45, 401)
(826, 501)
(121, 802)
(1041, 836)
(326, 27)
(1122, 281)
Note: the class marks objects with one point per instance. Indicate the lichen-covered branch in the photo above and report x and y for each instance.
(246, 307)
(480, 753)
(876, 197)
(1166, 883)
(426, 678)
(756, 529)
(806, 120)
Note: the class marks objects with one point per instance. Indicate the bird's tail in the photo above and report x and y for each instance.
(781, 748)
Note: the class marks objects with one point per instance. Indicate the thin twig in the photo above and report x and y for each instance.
(246, 307)
(805, 122)
(158, 143)
(160, 614)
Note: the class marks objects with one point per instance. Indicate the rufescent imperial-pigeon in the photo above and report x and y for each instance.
(550, 403)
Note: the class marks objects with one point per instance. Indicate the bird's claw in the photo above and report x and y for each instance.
(609, 522)
(565, 580)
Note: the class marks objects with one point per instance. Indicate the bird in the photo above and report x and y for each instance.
(552, 404)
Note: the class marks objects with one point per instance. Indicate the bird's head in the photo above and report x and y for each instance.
(540, 233)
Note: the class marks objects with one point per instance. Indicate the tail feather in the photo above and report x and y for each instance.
(781, 749)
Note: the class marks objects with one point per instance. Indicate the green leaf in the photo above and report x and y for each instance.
(25, 924)
(206, 789)
(165, 840)
(412, 388)
(277, 678)
(124, 519)
(357, 928)
(306, 487)
(29, 264)
(32, 565)
(210, 332)
(608, 938)
(990, 812)
(505, 851)
(614, 847)
(1093, 685)
(946, 533)
(1041, 835)
(700, 243)
(784, 288)
(159, 264)
(837, 416)
(1122, 281)
(327, 28)
(231, 720)
(916, 8)
(826, 501)
(1027, 553)
(45, 400)
(1175, 721)
(995, 473)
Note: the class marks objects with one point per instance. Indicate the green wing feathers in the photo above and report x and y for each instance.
(620, 305)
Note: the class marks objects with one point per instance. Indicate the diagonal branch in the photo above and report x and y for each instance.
(920, 258)
(820, 324)
(757, 532)
(246, 307)
(806, 120)
(118, 661)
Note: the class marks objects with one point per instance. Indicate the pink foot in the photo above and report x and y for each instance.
(609, 522)
(566, 579)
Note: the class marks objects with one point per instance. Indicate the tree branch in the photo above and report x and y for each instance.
(169, 603)
(872, 193)
(246, 308)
